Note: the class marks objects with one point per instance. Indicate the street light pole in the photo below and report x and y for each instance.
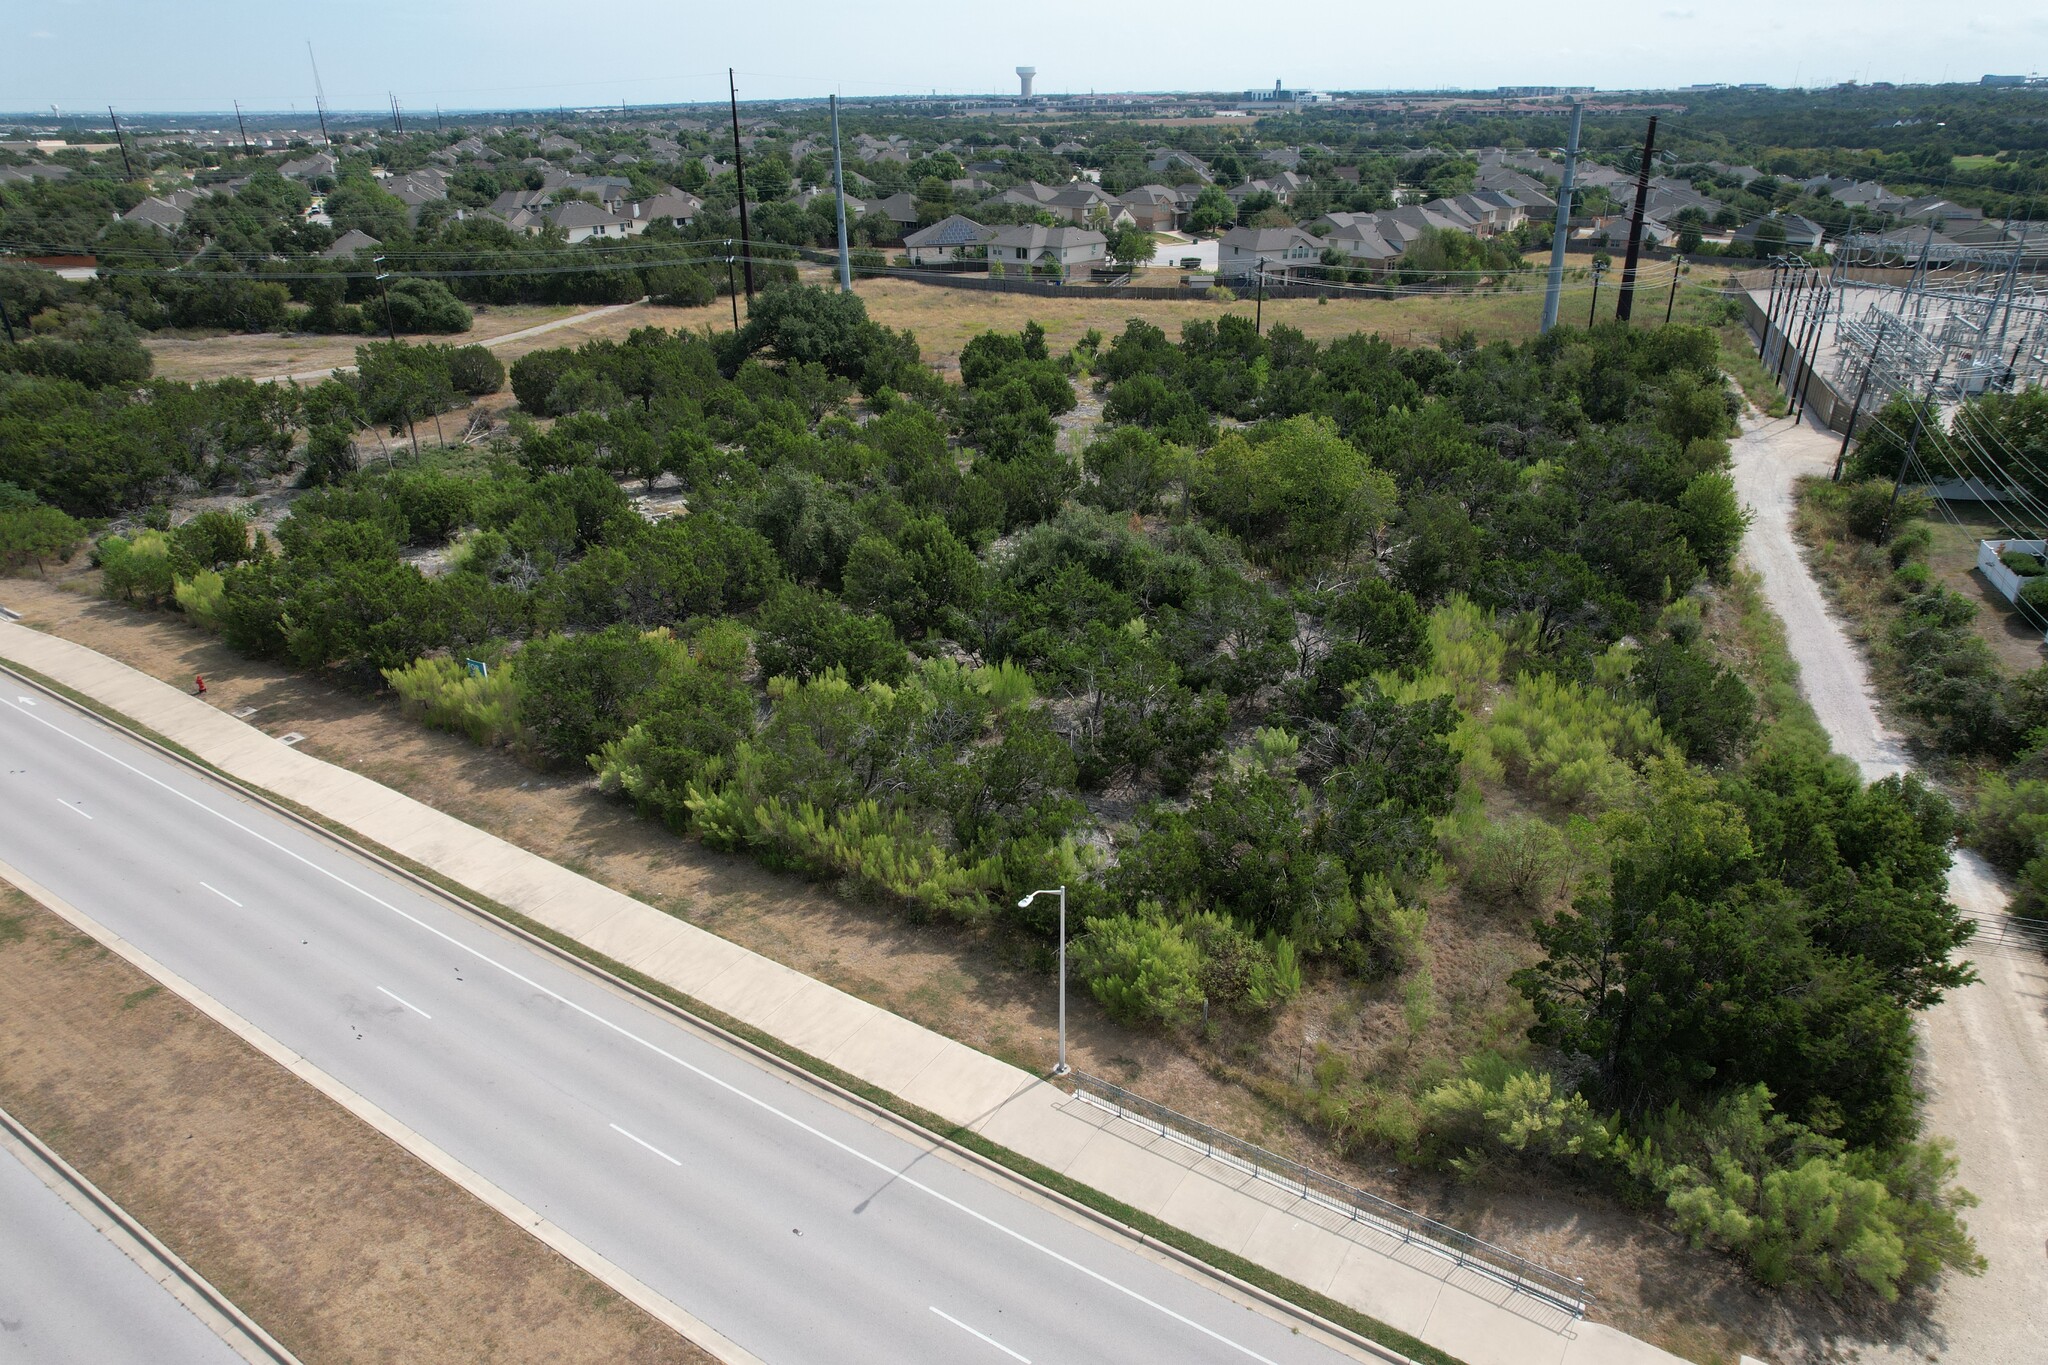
(1061, 892)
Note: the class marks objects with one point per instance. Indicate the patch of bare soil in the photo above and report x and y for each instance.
(345, 1247)
(981, 991)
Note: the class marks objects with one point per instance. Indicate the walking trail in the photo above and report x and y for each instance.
(538, 329)
(1985, 1059)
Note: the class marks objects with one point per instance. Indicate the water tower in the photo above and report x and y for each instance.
(1024, 75)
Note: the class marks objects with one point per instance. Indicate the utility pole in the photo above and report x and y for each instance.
(6, 322)
(739, 170)
(1763, 352)
(1259, 309)
(126, 164)
(1795, 296)
(389, 326)
(439, 127)
(1599, 269)
(242, 127)
(1560, 237)
(732, 287)
(1626, 302)
(1810, 349)
(1677, 269)
(839, 193)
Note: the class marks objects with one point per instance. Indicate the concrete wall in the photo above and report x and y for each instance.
(1823, 403)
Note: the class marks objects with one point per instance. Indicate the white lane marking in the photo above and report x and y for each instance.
(409, 1005)
(68, 806)
(25, 701)
(983, 1335)
(645, 1143)
(897, 1177)
(223, 895)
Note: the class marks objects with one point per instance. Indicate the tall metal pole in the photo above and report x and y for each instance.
(732, 287)
(1856, 408)
(122, 142)
(1810, 351)
(1560, 237)
(1912, 448)
(1763, 353)
(1677, 269)
(1791, 305)
(839, 194)
(739, 170)
(1061, 1068)
(319, 94)
(1061, 892)
(1627, 300)
(242, 127)
(1599, 269)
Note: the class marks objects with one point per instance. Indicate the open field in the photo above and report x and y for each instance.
(945, 319)
(341, 1244)
(267, 354)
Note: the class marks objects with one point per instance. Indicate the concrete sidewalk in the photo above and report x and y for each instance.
(1406, 1285)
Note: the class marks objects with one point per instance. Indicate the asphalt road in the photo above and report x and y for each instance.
(800, 1230)
(68, 1296)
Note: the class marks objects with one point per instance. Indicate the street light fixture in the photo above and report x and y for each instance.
(1061, 892)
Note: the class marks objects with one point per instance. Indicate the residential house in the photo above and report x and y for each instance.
(349, 243)
(579, 222)
(159, 213)
(678, 208)
(952, 238)
(1668, 198)
(1801, 234)
(1086, 204)
(1282, 187)
(318, 166)
(1935, 209)
(610, 190)
(555, 142)
(35, 170)
(1279, 251)
(899, 208)
(1166, 160)
(1286, 158)
(1030, 194)
(1068, 253)
(1361, 244)
(1155, 208)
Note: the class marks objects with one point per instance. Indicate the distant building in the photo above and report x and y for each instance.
(1069, 253)
(952, 238)
(1279, 251)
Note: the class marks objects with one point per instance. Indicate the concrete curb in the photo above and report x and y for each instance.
(240, 1331)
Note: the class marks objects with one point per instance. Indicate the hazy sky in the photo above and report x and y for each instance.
(199, 54)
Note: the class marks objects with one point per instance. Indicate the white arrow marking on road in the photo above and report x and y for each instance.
(25, 701)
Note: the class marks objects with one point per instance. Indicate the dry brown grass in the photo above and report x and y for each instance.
(269, 354)
(946, 319)
(344, 1246)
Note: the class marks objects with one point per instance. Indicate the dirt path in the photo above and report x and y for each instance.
(524, 333)
(1985, 1059)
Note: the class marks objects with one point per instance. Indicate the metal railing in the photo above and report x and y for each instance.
(2008, 931)
(1413, 1229)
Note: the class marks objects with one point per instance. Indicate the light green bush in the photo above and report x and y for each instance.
(199, 597)
(1143, 969)
(444, 694)
(1571, 743)
(137, 568)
